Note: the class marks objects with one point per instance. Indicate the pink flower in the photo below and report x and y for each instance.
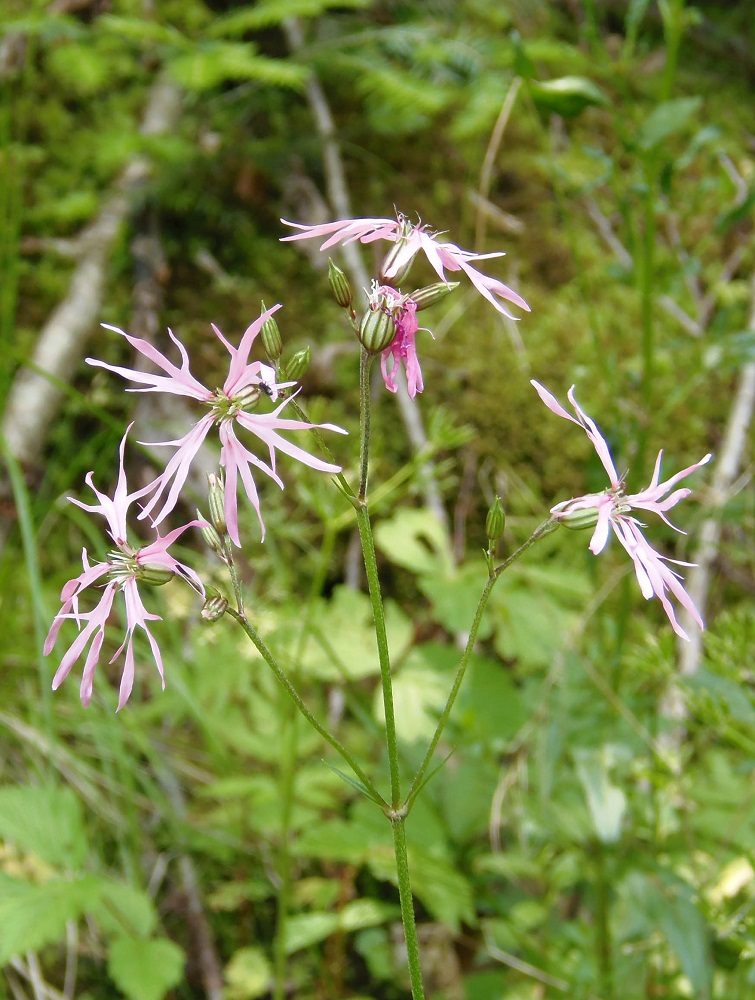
(122, 570)
(409, 240)
(611, 510)
(403, 310)
(244, 388)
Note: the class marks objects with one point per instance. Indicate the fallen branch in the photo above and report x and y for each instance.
(33, 401)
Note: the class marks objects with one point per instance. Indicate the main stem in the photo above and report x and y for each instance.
(397, 813)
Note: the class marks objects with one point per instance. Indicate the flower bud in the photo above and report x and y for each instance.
(211, 536)
(271, 338)
(430, 294)
(214, 608)
(298, 364)
(155, 576)
(389, 274)
(247, 399)
(495, 521)
(339, 285)
(216, 501)
(377, 330)
(577, 519)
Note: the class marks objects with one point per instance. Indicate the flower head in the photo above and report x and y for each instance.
(611, 510)
(402, 309)
(122, 571)
(408, 240)
(229, 407)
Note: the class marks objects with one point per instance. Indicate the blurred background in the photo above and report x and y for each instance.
(592, 833)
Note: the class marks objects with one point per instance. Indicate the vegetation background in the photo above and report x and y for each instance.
(592, 834)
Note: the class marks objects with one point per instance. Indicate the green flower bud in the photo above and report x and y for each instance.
(271, 338)
(430, 294)
(211, 536)
(298, 364)
(495, 521)
(214, 608)
(377, 330)
(389, 260)
(339, 285)
(247, 398)
(155, 576)
(577, 519)
(216, 500)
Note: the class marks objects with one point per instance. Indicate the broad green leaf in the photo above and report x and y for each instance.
(365, 912)
(44, 821)
(81, 68)
(342, 644)
(489, 706)
(416, 540)
(145, 970)
(567, 96)
(438, 884)
(33, 915)
(529, 625)
(419, 694)
(214, 63)
(665, 120)
(607, 802)
(455, 595)
(305, 929)
(335, 840)
(123, 907)
(248, 974)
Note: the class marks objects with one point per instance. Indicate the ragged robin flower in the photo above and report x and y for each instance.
(121, 572)
(611, 510)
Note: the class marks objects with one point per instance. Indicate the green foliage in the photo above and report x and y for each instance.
(575, 841)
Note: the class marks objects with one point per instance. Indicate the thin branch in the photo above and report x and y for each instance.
(726, 472)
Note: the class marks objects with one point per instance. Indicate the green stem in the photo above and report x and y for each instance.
(398, 822)
(378, 614)
(494, 573)
(365, 364)
(256, 639)
(603, 942)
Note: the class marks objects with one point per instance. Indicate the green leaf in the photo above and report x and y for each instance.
(213, 63)
(489, 706)
(33, 915)
(142, 29)
(123, 907)
(80, 67)
(145, 970)
(46, 822)
(416, 540)
(248, 975)
(438, 884)
(305, 929)
(455, 595)
(607, 802)
(348, 615)
(268, 13)
(568, 96)
(665, 120)
(419, 693)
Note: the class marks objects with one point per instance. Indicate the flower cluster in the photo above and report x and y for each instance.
(612, 509)
(230, 408)
(408, 240)
(123, 570)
